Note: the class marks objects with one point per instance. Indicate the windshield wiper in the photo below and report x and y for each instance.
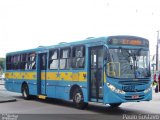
(125, 50)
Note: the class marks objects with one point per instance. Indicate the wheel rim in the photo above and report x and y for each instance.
(78, 97)
(24, 93)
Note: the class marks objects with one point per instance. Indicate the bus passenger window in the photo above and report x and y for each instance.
(16, 62)
(31, 64)
(64, 58)
(8, 63)
(53, 59)
(78, 60)
(23, 61)
(12, 62)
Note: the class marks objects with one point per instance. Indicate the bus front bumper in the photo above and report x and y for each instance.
(113, 97)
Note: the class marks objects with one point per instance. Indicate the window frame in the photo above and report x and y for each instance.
(23, 61)
(8, 62)
(51, 60)
(29, 62)
(74, 56)
(67, 60)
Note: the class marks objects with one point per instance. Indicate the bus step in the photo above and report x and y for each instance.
(42, 96)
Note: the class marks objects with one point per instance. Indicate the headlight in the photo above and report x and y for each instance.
(114, 89)
(148, 89)
(111, 87)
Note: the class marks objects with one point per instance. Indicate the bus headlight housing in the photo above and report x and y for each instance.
(114, 89)
(148, 89)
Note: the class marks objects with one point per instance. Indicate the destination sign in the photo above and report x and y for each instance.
(128, 41)
(132, 42)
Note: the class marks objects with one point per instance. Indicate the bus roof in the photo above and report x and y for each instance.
(64, 44)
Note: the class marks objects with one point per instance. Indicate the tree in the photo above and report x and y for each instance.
(2, 63)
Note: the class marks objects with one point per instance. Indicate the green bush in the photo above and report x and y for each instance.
(2, 64)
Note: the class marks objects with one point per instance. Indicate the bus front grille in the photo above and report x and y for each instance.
(133, 90)
(138, 82)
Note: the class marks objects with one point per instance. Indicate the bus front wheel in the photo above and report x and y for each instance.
(115, 104)
(25, 92)
(78, 99)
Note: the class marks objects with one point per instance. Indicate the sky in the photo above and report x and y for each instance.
(26, 24)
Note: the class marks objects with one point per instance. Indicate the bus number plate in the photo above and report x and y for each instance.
(128, 88)
(135, 96)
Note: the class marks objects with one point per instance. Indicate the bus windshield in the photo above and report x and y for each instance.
(128, 63)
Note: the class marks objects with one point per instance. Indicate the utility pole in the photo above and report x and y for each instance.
(157, 56)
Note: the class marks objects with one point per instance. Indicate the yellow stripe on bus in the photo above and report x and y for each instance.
(82, 76)
(66, 76)
(21, 75)
(52, 76)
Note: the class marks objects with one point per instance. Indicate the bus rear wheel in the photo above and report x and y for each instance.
(78, 99)
(115, 104)
(25, 92)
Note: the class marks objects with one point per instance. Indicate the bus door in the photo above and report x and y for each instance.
(96, 73)
(42, 65)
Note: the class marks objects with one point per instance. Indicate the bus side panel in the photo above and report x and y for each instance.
(17, 85)
(50, 88)
(15, 79)
(9, 84)
(13, 85)
(8, 81)
(67, 93)
(85, 94)
(32, 85)
(60, 92)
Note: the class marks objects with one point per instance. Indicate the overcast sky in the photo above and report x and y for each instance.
(28, 24)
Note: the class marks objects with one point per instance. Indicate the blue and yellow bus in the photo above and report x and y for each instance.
(109, 70)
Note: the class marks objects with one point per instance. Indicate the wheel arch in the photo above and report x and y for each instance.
(23, 84)
(73, 87)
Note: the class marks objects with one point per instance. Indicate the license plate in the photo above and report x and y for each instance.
(128, 88)
(135, 96)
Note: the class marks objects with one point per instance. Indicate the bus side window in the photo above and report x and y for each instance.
(16, 62)
(53, 59)
(12, 62)
(65, 58)
(23, 61)
(8, 63)
(78, 57)
(26, 62)
(31, 62)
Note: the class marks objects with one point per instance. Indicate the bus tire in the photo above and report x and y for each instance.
(115, 104)
(78, 99)
(25, 92)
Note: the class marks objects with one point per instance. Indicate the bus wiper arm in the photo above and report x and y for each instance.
(129, 54)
